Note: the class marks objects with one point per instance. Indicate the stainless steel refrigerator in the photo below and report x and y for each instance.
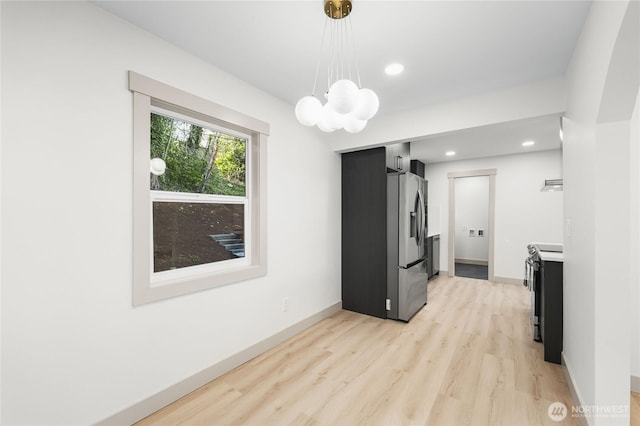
(406, 256)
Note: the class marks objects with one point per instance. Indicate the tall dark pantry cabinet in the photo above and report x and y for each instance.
(364, 251)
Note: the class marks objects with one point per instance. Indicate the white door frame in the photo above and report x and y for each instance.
(452, 215)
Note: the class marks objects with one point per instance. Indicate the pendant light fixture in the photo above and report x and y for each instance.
(348, 106)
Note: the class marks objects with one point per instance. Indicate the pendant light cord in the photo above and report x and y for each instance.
(341, 41)
(355, 55)
(315, 80)
(332, 55)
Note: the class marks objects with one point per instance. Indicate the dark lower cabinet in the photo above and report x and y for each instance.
(435, 258)
(364, 236)
(551, 309)
(429, 251)
(433, 255)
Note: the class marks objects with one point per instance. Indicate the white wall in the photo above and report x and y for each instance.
(74, 350)
(1, 274)
(433, 219)
(634, 252)
(523, 213)
(597, 184)
(472, 212)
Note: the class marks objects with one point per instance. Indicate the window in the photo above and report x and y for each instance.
(199, 193)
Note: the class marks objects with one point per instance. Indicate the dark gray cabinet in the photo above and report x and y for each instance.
(429, 250)
(551, 309)
(435, 259)
(364, 236)
(433, 255)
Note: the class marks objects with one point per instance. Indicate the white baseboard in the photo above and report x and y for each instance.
(572, 389)
(473, 262)
(165, 397)
(506, 280)
(635, 384)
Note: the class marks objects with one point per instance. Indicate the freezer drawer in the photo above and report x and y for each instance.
(407, 294)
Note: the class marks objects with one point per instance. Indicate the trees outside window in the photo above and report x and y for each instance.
(198, 159)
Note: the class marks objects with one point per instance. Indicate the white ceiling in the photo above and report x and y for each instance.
(489, 141)
(450, 49)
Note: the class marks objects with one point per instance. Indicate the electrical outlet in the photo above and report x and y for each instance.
(285, 304)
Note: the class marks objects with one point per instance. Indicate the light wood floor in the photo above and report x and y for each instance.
(465, 358)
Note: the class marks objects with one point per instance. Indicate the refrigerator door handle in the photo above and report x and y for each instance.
(423, 223)
(413, 225)
(414, 220)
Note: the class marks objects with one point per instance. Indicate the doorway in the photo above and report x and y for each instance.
(471, 251)
(461, 230)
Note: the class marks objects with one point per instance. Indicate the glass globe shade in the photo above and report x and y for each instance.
(353, 125)
(158, 166)
(332, 119)
(308, 111)
(322, 126)
(343, 96)
(368, 104)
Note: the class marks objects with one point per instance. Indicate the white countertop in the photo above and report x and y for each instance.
(550, 252)
(551, 256)
(549, 246)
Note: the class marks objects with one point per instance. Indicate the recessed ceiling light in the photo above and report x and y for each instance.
(528, 143)
(394, 69)
(450, 153)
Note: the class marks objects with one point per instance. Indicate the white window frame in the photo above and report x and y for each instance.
(153, 96)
